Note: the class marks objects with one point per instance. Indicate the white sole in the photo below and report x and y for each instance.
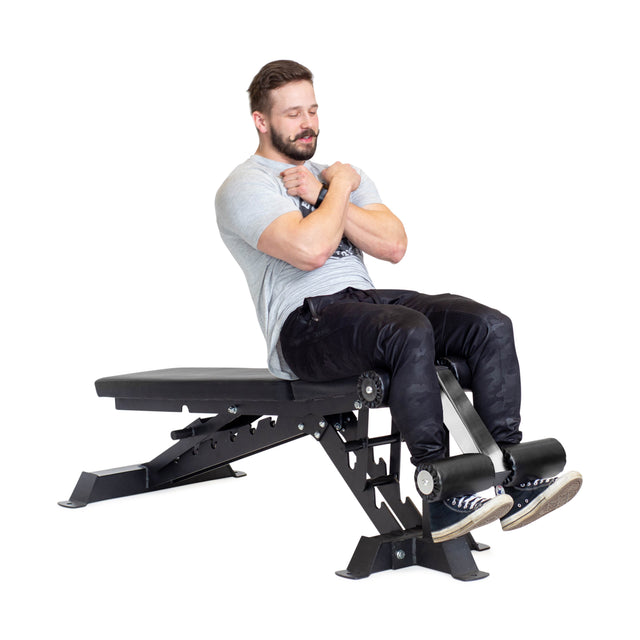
(557, 495)
(489, 512)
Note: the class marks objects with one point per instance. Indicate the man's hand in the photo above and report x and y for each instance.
(300, 182)
(307, 242)
(339, 171)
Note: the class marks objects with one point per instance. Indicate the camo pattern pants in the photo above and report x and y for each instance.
(405, 332)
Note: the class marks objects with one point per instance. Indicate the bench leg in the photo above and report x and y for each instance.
(409, 548)
(205, 455)
(129, 481)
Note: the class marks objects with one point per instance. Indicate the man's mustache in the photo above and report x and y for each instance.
(307, 133)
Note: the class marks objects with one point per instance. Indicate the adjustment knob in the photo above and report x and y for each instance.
(371, 389)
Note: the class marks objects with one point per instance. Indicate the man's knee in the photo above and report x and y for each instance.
(412, 325)
(500, 325)
(410, 332)
(492, 325)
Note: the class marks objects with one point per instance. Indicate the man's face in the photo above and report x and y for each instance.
(293, 121)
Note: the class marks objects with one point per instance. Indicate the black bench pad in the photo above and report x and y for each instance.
(169, 389)
(198, 383)
(209, 388)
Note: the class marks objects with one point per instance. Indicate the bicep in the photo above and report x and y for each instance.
(284, 239)
(279, 236)
(302, 242)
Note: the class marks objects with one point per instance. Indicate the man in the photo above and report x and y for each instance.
(299, 230)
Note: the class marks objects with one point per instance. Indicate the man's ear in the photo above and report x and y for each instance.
(260, 121)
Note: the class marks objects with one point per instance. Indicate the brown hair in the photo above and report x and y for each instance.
(272, 76)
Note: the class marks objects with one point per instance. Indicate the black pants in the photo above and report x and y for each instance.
(404, 332)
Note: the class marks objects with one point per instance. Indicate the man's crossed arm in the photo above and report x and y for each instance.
(308, 242)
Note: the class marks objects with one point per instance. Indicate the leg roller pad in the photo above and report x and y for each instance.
(456, 476)
(536, 459)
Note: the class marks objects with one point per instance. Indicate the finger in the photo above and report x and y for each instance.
(291, 182)
(294, 171)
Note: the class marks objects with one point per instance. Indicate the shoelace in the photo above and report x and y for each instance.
(468, 502)
(538, 482)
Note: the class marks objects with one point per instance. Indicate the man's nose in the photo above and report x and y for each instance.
(307, 121)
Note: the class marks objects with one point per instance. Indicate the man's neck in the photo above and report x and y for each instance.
(267, 151)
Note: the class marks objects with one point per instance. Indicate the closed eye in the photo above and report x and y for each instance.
(297, 112)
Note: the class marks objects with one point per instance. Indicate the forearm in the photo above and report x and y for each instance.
(307, 242)
(377, 231)
(322, 230)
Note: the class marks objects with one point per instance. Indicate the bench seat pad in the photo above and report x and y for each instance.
(219, 383)
(236, 385)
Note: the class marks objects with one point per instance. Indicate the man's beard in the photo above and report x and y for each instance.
(288, 147)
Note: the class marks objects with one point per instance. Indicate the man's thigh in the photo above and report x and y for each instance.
(345, 338)
(458, 322)
(431, 305)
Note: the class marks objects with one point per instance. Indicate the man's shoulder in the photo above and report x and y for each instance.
(245, 178)
(253, 191)
(250, 169)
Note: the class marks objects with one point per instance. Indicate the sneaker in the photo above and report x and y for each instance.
(536, 498)
(455, 517)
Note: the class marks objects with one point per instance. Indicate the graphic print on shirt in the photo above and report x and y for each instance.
(345, 248)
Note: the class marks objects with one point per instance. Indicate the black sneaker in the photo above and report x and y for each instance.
(455, 517)
(534, 499)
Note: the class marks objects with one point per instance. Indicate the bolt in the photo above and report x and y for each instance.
(322, 424)
(368, 390)
(357, 405)
(301, 426)
(425, 483)
(400, 554)
(233, 409)
(316, 435)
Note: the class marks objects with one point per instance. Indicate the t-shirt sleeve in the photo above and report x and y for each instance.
(366, 193)
(247, 204)
(251, 199)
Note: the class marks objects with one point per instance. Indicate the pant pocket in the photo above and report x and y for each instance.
(311, 308)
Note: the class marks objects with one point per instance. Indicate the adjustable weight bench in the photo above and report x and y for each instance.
(254, 411)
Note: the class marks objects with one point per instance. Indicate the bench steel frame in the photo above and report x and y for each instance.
(339, 421)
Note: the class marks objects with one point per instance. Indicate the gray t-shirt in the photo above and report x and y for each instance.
(250, 199)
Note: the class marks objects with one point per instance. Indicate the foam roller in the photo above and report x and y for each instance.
(456, 476)
(536, 459)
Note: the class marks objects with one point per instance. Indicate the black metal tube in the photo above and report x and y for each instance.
(367, 443)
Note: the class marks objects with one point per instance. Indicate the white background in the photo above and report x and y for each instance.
(504, 134)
